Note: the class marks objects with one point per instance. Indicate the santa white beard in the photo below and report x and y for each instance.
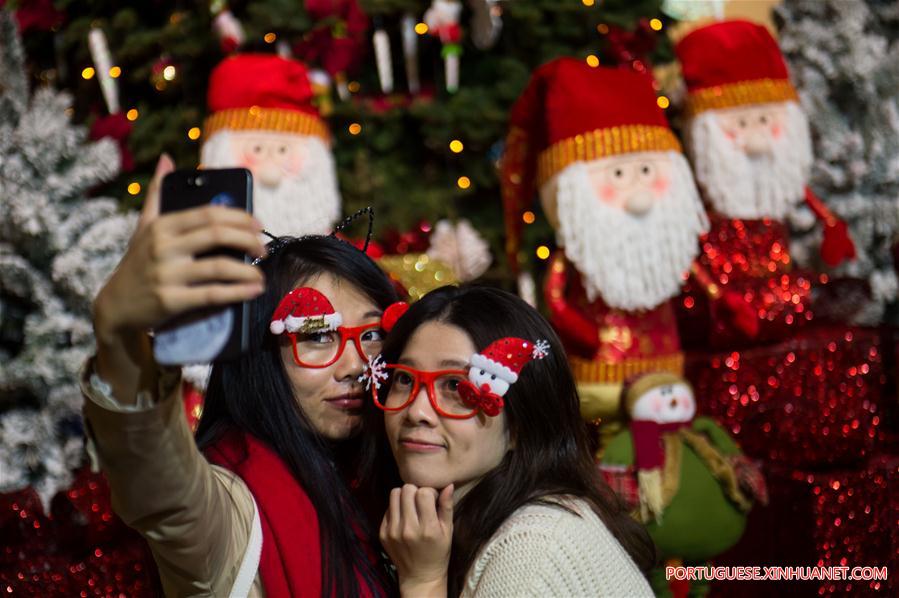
(742, 186)
(631, 262)
(308, 203)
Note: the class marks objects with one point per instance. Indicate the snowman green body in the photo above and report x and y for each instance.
(701, 521)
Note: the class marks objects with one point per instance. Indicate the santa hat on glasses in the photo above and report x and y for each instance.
(304, 310)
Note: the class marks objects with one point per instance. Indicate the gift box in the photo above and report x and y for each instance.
(815, 400)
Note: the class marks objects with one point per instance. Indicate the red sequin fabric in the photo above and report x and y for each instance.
(752, 258)
(811, 401)
(80, 549)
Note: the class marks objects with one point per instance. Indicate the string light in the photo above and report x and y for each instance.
(115, 72)
(592, 60)
(353, 86)
(421, 28)
(655, 24)
(663, 102)
(456, 146)
(88, 73)
(543, 252)
(169, 72)
(463, 182)
(588, 2)
(355, 129)
(602, 28)
(134, 188)
(194, 133)
(132, 114)
(528, 217)
(270, 37)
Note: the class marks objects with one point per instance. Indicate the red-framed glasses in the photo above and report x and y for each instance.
(323, 348)
(403, 383)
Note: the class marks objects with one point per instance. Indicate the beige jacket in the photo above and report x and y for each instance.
(197, 517)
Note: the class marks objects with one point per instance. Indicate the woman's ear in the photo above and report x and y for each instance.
(512, 436)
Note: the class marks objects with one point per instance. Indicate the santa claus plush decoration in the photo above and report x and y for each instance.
(616, 187)
(751, 149)
(261, 117)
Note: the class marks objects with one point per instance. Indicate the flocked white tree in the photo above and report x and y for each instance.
(844, 59)
(57, 246)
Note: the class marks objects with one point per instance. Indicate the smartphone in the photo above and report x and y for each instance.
(214, 334)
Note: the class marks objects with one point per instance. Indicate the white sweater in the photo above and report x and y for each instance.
(545, 550)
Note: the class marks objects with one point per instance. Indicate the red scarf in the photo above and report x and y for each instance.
(290, 564)
(649, 453)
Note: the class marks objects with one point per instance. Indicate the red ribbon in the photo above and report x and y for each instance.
(488, 402)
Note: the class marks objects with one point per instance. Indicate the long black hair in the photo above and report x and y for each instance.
(550, 455)
(253, 394)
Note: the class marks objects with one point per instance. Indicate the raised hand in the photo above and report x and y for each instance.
(417, 533)
(160, 277)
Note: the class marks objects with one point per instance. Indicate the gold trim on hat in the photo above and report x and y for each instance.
(758, 91)
(270, 119)
(588, 370)
(604, 143)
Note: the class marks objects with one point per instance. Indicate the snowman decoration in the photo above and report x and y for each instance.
(683, 475)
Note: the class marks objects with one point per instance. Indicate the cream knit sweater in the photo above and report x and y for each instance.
(545, 550)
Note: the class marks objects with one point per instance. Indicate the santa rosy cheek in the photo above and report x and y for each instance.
(294, 165)
(249, 161)
(657, 407)
(776, 131)
(660, 186)
(730, 135)
(608, 194)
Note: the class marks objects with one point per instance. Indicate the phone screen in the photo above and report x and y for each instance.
(215, 334)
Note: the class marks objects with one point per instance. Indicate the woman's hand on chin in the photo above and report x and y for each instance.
(417, 533)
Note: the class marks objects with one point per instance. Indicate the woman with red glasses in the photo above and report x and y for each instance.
(476, 402)
(260, 502)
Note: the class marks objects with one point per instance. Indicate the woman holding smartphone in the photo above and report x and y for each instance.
(476, 401)
(263, 506)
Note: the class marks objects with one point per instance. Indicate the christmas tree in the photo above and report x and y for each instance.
(848, 80)
(56, 248)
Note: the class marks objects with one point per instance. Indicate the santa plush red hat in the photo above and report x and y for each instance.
(262, 92)
(730, 64)
(304, 310)
(556, 122)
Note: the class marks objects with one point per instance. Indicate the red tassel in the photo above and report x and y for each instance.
(837, 244)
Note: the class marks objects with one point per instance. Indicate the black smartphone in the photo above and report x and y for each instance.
(214, 334)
